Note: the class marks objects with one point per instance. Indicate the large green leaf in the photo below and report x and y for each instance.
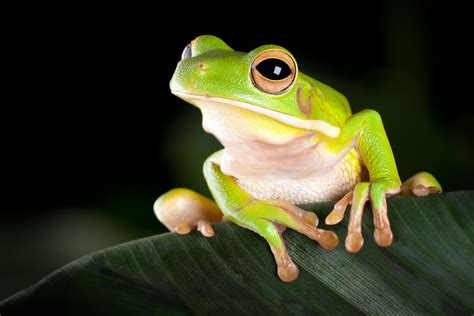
(429, 269)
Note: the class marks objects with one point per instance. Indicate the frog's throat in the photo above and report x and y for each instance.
(312, 125)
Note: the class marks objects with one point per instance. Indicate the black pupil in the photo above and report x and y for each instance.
(274, 69)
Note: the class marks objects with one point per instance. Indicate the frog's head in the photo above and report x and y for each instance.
(264, 85)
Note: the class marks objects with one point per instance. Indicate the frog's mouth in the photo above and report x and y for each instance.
(310, 125)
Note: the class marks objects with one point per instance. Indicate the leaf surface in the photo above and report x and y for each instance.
(428, 269)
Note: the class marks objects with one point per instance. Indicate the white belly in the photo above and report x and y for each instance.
(299, 172)
(325, 186)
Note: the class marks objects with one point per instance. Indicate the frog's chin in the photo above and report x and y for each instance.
(204, 101)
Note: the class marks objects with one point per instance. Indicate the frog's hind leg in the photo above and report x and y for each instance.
(287, 270)
(270, 218)
(182, 210)
(421, 184)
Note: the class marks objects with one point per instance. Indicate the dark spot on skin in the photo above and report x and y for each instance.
(303, 105)
(202, 66)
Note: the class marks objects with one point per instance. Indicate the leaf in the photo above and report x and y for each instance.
(429, 269)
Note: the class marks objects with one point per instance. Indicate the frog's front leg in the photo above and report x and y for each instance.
(268, 218)
(366, 133)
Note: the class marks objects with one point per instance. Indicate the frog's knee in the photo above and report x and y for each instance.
(181, 209)
(371, 115)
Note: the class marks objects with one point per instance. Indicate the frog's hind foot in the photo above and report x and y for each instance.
(270, 218)
(287, 270)
(182, 210)
(421, 184)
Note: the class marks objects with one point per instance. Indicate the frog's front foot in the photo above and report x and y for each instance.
(363, 191)
(270, 219)
(182, 210)
(420, 184)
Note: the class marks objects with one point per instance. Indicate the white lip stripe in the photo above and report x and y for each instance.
(312, 125)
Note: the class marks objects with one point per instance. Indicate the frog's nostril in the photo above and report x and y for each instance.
(202, 66)
(187, 52)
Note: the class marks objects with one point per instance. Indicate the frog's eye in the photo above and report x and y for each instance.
(273, 71)
(187, 52)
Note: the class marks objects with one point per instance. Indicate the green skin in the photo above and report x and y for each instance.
(211, 70)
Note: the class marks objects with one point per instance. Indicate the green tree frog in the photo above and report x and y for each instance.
(288, 140)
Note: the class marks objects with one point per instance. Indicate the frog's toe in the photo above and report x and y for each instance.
(307, 225)
(308, 217)
(383, 232)
(311, 219)
(421, 190)
(354, 241)
(289, 272)
(354, 238)
(421, 184)
(328, 239)
(383, 236)
(205, 228)
(288, 215)
(337, 214)
(182, 229)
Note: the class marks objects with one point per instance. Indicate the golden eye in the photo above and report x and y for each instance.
(273, 71)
